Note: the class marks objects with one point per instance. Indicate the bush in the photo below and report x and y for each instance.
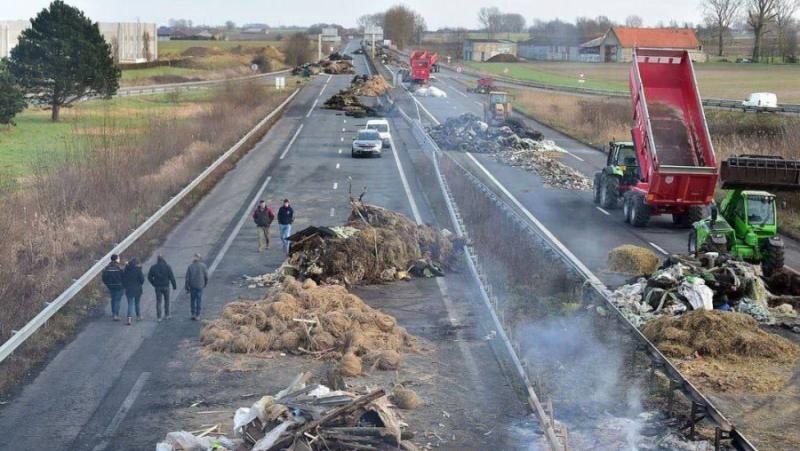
(12, 99)
(263, 63)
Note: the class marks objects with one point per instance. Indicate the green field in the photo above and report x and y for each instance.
(173, 49)
(131, 75)
(721, 80)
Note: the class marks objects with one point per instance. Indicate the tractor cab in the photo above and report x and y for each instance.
(498, 108)
(622, 161)
(751, 213)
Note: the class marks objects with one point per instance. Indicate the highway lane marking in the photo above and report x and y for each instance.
(127, 403)
(603, 211)
(404, 180)
(556, 242)
(337, 164)
(454, 89)
(289, 146)
(342, 138)
(658, 248)
(311, 110)
(477, 103)
(576, 157)
(344, 130)
(435, 121)
(335, 185)
(340, 150)
(366, 64)
(235, 231)
(332, 211)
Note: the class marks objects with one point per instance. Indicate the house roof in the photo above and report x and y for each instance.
(594, 42)
(676, 38)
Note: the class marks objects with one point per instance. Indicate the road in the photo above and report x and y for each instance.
(586, 229)
(123, 388)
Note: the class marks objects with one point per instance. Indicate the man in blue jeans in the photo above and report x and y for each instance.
(112, 278)
(285, 220)
(196, 281)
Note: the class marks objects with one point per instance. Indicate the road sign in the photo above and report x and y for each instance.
(581, 77)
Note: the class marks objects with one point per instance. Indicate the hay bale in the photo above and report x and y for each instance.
(404, 398)
(385, 359)
(290, 341)
(324, 340)
(385, 322)
(308, 284)
(349, 365)
(634, 260)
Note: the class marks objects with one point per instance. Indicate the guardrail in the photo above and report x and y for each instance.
(191, 85)
(54, 306)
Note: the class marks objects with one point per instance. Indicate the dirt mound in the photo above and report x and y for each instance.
(630, 259)
(723, 335)
(364, 85)
(326, 321)
(200, 51)
(336, 56)
(375, 245)
(503, 58)
(337, 67)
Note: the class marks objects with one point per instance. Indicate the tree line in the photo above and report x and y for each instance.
(400, 23)
(763, 17)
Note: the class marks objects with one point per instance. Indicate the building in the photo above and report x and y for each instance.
(550, 49)
(331, 35)
(617, 45)
(131, 42)
(483, 49)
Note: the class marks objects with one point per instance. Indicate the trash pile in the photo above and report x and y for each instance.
(633, 260)
(503, 58)
(336, 56)
(323, 321)
(512, 143)
(365, 85)
(337, 67)
(374, 245)
(305, 417)
(711, 281)
(430, 91)
(307, 69)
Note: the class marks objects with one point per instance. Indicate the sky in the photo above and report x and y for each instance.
(441, 13)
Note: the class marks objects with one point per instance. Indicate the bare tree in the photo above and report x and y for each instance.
(784, 17)
(230, 25)
(399, 25)
(759, 14)
(720, 14)
(490, 19)
(512, 23)
(148, 56)
(420, 27)
(634, 21)
(297, 49)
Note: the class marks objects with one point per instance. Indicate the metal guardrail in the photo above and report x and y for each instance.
(55, 305)
(191, 85)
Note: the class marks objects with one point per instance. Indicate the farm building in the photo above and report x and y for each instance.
(546, 48)
(617, 45)
(483, 49)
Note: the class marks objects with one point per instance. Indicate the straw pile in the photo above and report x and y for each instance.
(364, 85)
(634, 260)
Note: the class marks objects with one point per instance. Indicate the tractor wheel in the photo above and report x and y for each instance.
(640, 211)
(693, 242)
(626, 207)
(609, 194)
(596, 187)
(773, 261)
(688, 217)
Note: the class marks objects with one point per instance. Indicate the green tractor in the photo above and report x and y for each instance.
(621, 170)
(746, 223)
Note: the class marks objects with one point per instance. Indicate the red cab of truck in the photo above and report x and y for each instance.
(677, 166)
(422, 64)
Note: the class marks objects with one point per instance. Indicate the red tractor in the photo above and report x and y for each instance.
(422, 64)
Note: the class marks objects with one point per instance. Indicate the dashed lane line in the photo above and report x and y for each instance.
(311, 110)
(658, 248)
(127, 403)
(335, 185)
(603, 211)
(332, 211)
(337, 164)
(289, 146)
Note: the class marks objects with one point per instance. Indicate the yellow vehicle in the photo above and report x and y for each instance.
(498, 109)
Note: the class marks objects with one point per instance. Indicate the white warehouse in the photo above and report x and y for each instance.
(131, 42)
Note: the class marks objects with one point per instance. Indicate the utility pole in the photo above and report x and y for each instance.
(373, 43)
(319, 47)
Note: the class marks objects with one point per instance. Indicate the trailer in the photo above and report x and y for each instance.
(421, 65)
(670, 166)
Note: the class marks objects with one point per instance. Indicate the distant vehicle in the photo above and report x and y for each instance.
(498, 109)
(760, 101)
(422, 64)
(382, 127)
(366, 142)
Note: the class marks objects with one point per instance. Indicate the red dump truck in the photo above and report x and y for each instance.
(670, 167)
(422, 64)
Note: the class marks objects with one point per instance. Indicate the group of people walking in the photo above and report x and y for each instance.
(263, 217)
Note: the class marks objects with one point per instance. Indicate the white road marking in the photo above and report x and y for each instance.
(556, 242)
(603, 211)
(572, 154)
(337, 164)
(345, 121)
(404, 180)
(311, 110)
(127, 403)
(238, 227)
(658, 248)
(340, 150)
(332, 211)
(477, 103)
(335, 185)
(289, 146)
(366, 64)
(342, 139)
(435, 121)
(344, 130)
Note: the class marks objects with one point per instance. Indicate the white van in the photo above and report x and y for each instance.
(760, 101)
(382, 127)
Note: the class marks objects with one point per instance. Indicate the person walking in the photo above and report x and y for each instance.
(160, 277)
(285, 220)
(132, 280)
(196, 281)
(263, 217)
(112, 278)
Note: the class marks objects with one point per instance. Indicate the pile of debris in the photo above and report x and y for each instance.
(365, 85)
(503, 58)
(632, 260)
(346, 100)
(512, 143)
(306, 417)
(684, 283)
(374, 245)
(307, 69)
(336, 56)
(325, 321)
(337, 67)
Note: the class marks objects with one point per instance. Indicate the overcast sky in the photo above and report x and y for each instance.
(438, 14)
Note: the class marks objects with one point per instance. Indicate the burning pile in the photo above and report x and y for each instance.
(375, 245)
(365, 85)
(305, 417)
(325, 321)
(512, 143)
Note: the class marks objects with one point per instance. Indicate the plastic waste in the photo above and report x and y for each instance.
(699, 295)
(187, 441)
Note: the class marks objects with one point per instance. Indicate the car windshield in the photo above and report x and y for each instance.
(368, 135)
(760, 210)
(378, 127)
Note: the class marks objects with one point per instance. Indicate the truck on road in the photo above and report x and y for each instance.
(672, 169)
(421, 65)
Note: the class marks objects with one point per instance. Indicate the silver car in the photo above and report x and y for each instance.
(366, 142)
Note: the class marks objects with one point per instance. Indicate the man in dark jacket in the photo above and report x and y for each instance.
(132, 280)
(196, 281)
(263, 217)
(112, 278)
(160, 276)
(285, 220)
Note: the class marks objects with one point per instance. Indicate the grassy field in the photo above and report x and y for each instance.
(133, 75)
(173, 49)
(722, 80)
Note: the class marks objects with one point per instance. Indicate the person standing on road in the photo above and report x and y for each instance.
(132, 280)
(263, 217)
(160, 276)
(285, 220)
(112, 278)
(196, 281)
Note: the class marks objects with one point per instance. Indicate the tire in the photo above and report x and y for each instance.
(626, 208)
(640, 211)
(692, 247)
(689, 217)
(773, 261)
(609, 195)
(353, 154)
(596, 187)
